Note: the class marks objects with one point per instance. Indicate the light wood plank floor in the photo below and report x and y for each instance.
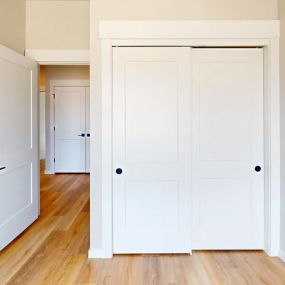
(54, 251)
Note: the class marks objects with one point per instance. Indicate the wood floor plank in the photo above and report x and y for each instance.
(54, 251)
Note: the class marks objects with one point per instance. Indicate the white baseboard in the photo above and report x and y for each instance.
(49, 172)
(98, 254)
(282, 255)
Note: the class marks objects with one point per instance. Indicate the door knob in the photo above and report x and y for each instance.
(82, 135)
(2, 168)
(88, 135)
(257, 168)
(119, 171)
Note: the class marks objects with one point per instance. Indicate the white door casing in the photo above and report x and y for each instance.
(19, 153)
(70, 124)
(227, 145)
(87, 142)
(42, 126)
(151, 139)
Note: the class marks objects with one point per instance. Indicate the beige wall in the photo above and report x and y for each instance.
(282, 101)
(57, 25)
(12, 24)
(60, 72)
(186, 9)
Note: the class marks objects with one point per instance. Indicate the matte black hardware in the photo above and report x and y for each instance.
(2, 168)
(257, 168)
(119, 171)
(82, 135)
(88, 135)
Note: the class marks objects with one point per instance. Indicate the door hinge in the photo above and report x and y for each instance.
(54, 160)
(54, 128)
(53, 96)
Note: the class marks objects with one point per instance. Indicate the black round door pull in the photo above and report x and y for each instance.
(119, 171)
(257, 168)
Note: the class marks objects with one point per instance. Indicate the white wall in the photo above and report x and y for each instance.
(12, 24)
(59, 73)
(282, 99)
(153, 10)
(57, 24)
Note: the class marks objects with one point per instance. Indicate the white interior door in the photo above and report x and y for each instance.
(19, 155)
(228, 192)
(70, 129)
(87, 129)
(151, 150)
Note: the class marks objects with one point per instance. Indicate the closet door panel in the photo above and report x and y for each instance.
(228, 192)
(151, 150)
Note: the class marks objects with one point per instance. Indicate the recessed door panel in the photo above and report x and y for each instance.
(151, 111)
(151, 144)
(17, 181)
(222, 101)
(155, 210)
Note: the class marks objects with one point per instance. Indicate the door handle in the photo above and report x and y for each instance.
(2, 168)
(88, 135)
(257, 168)
(82, 135)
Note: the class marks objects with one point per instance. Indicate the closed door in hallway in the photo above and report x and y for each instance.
(71, 129)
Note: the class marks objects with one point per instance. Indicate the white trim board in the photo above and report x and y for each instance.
(179, 33)
(53, 84)
(59, 56)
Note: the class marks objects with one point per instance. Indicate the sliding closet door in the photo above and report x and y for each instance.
(151, 142)
(228, 175)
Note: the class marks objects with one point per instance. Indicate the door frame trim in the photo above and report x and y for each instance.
(176, 33)
(53, 84)
(59, 56)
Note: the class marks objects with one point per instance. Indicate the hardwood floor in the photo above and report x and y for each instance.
(54, 251)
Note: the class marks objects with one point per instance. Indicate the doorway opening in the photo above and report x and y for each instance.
(64, 119)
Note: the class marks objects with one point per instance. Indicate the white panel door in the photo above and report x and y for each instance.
(69, 129)
(87, 90)
(228, 188)
(19, 155)
(151, 150)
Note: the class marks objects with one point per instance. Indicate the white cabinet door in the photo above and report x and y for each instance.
(19, 155)
(151, 147)
(87, 90)
(228, 192)
(70, 129)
